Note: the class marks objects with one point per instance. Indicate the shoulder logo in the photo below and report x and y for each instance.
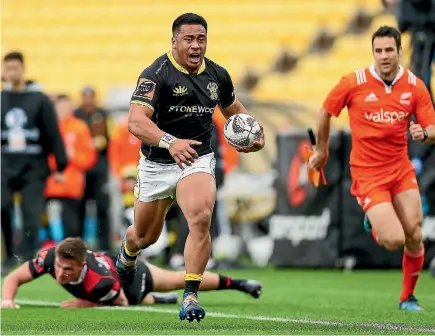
(405, 98)
(145, 89)
(371, 98)
(213, 88)
(179, 91)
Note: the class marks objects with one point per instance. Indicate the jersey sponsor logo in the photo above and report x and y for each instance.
(143, 282)
(386, 117)
(145, 89)
(191, 109)
(180, 91)
(371, 98)
(213, 88)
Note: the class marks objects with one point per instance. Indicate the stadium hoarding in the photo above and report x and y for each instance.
(305, 226)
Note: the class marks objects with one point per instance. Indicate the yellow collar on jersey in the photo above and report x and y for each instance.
(180, 68)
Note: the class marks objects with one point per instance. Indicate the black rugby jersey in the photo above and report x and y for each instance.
(183, 103)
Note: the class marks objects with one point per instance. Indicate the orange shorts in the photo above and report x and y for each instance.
(371, 187)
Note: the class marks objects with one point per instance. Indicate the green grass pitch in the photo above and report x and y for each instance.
(293, 302)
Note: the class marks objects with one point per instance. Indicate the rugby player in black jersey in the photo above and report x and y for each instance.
(91, 278)
(171, 113)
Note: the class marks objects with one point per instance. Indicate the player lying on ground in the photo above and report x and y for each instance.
(171, 113)
(380, 100)
(92, 279)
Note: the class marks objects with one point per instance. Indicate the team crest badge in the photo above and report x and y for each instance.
(213, 88)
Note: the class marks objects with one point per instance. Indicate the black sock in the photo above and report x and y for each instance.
(191, 286)
(229, 283)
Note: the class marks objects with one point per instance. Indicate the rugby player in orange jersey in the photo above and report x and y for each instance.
(380, 100)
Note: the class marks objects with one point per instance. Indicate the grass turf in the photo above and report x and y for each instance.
(293, 302)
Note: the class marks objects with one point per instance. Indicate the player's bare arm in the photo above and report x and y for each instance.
(318, 160)
(11, 284)
(236, 108)
(141, 126)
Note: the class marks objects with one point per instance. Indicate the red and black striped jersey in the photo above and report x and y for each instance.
(97, 283)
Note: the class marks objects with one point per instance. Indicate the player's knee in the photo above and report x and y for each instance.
(146, 240)
(199, 222)
(413, 242)
(142, 239)
(393, 242)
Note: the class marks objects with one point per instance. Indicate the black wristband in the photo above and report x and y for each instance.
(426, 135)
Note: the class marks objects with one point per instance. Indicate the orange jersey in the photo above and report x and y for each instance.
(123, 149)
(82, 156)
(379, 115)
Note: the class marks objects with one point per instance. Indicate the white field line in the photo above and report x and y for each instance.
(374, 325)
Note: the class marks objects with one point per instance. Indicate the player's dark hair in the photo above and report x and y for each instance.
(72, 248)
(387, 31)
(188, 19)
(14, 56)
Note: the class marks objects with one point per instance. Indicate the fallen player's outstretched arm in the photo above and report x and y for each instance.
(11, 284)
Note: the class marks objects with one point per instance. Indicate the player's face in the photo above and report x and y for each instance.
(190, 45)
(386, 55)
(13, 71)
(67, 270)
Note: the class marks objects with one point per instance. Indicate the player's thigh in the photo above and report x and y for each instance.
(196, 191)
(196, 196)
(149, 217)
(386, 224)
(409, 210)
(164, 280)
(154, 193)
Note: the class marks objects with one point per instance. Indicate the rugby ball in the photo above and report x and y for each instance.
(241, 130)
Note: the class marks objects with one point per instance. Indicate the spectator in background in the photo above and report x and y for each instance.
(123, 157)
(29, 134)
(66, 195)
(97, 178)
(123, 150)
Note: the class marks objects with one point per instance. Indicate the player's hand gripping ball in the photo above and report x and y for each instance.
(244, 133)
